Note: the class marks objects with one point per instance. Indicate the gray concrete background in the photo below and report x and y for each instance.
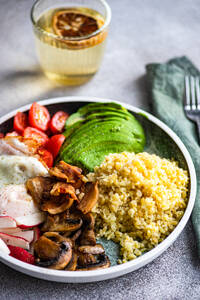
(141, 32)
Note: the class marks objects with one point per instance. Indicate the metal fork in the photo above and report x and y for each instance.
(192, 100)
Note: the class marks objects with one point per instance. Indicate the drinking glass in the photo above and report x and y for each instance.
(69, 60)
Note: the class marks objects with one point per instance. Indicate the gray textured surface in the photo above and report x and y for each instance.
(141, 32)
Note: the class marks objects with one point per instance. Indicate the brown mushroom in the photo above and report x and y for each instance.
(57, 205)
(53, 251)
(64, 171)
(39, 187)
(88, 235)
(63, 188)
(62, 223)
(76, 235)
(73, 262)
(90, 198)
(102, 262)
(85, 259)
(97, 249)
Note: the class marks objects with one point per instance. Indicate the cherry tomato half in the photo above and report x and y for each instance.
(13, 133)
(20, 122)
(54, 144)
(39, 117)
(1, 135)
(36, 134)
(57, 122)
(46, 156)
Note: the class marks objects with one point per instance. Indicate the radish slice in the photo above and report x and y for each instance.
(36, 234)
(3, 247)
(7, 221)
(10, 230)
(26, 234)
(36, 237)
(14, 240)
(30, 220)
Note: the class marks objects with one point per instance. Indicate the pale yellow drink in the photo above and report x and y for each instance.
(69, 61)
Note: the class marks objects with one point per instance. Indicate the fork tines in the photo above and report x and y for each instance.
(192, 93)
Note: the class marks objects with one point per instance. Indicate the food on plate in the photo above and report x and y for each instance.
(20, 122)
(57, 122)
(97, 130)
(12, 133)
(142, 197)
(18, 146)
(68, 239)
(46, 157)
(55, 143)
(36, 134)
(3, 247)
(59, 191)
(21, 254)
(16, 169)
(39, 117)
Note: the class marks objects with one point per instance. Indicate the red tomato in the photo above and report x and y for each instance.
(13, 133)
(39, 117)
(20, 122)
(57, 122)
(1, 135)
(46, 156)
(36, 134)
(54, 144)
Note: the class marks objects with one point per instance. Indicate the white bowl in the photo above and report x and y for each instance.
(118, 270)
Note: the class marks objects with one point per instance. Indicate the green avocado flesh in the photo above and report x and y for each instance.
(97, 130)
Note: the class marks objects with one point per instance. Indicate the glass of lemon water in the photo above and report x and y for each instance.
(70, 37)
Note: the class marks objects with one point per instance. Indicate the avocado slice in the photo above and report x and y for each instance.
(98, 129)
(91, 108)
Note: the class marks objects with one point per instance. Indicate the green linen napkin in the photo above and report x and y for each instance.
(166, 83)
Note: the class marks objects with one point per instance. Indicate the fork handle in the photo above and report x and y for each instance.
(198, 129)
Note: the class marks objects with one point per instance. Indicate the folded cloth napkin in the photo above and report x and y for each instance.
(166, 83)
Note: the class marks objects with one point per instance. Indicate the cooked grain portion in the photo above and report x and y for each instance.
(141, 200)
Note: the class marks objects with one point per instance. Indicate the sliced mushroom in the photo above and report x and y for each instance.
(102, 263)
(88, 220)
(57, 205)
(46, 248)
(53, 251)
(97, 249)
(67, 172)
(59, 223)
(88, 235)
(63, 188)
(90, 198)
(85, 259)
(76, 235)
(73, 262)
(39, 187)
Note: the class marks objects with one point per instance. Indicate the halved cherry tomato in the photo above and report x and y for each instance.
(54, 144)
(20, 122)
(39, 117)
(1, 135)
(36, 134)
(57, 122)
(46, 156)
(13, 133)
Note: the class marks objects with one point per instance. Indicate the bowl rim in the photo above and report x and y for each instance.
(118, 270)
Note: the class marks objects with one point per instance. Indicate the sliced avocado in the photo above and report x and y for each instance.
(94, 107)
(98, 129)
(116, 132)
(73, 119)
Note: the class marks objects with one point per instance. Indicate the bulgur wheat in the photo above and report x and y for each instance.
(141, 200)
